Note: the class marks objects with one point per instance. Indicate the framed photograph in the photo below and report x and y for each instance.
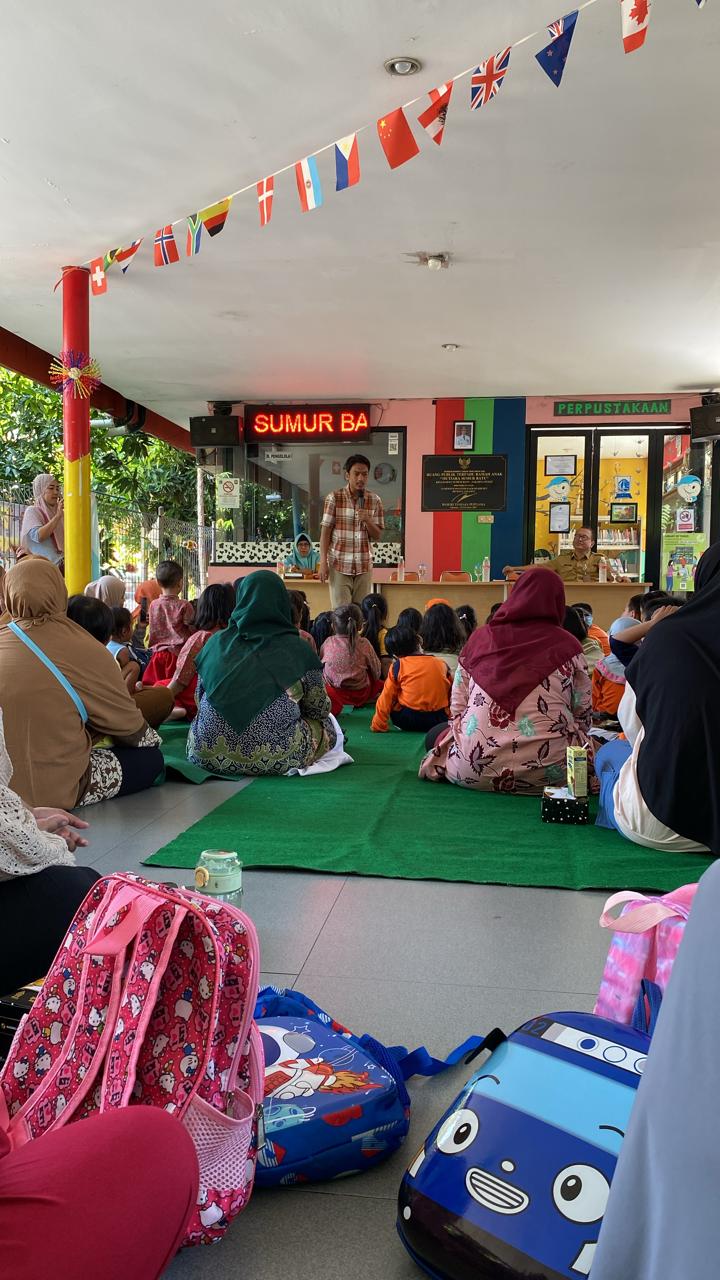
(561, 464)
(464, 436)
(559, 517)
(623, 512)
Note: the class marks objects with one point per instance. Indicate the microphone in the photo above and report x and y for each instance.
(361, 499)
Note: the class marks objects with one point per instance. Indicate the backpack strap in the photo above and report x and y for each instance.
(421, 1063)
(647, 1007)
(55, 671)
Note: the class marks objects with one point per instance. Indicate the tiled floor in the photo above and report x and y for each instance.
(411, 961)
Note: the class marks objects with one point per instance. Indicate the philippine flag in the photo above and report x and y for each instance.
(308, 184)
(347, 162)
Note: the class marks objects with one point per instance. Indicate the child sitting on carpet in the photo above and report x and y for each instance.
(467, 618)
(96, 617)
(170, 624)
(213, 614)
(321, 628)
(411, 618)
(351, 667)
(298, 610)
(442, 634)
(416, 695)
(626, 633)
(374, 610)
(119, 646)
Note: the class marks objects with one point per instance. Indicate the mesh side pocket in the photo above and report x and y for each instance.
(221, 1142)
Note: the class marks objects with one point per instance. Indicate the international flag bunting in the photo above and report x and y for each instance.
(265, 193)
(553, 57)
(347, 162)
(215, 216)
(109, 258)
(434, 117)
(308, 184)
(487, 79)
(98, 279)
(635, 20)
(396, 138)
(125, 256)
(194, 232)
(166, 250)
(700, 3)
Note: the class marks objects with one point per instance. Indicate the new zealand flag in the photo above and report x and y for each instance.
(553, 57)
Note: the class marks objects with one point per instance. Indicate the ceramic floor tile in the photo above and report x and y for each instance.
(492, 935)
(115, 822)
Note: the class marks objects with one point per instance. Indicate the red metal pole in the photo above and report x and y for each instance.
(76, 433)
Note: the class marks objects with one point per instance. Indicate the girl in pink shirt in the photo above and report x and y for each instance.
(351, 667)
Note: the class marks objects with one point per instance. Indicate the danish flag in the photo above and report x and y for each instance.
(487, 79)
(265, 193)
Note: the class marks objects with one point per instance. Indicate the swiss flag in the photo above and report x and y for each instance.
(396, 138)
(98, 279)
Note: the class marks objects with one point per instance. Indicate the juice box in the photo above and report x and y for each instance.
(577, 772)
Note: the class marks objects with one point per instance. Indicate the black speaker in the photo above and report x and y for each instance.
(223, 429)
(705, 422)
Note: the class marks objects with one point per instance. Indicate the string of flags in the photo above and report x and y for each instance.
(394, 133)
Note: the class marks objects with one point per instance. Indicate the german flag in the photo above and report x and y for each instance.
(214, 217)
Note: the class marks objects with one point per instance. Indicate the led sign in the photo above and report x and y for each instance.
(303, 423)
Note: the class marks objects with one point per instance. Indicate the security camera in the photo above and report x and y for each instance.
(220, 408)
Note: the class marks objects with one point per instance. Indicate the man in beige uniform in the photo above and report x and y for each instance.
(582, 564)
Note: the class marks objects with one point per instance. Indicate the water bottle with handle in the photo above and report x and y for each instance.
(219, 875)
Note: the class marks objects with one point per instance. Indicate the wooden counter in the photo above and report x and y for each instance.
(407, 595)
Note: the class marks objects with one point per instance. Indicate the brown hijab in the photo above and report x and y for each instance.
(46, 740)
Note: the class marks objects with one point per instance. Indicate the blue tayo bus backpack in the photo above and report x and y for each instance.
(335, 1103)
(513, 1181)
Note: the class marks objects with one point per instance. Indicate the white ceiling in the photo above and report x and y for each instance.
(583, 222)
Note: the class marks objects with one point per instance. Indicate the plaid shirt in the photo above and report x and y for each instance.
(350, 545)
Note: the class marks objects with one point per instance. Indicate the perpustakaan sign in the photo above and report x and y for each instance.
(611, 408)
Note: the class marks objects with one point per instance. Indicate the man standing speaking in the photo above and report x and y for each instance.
(352, 519)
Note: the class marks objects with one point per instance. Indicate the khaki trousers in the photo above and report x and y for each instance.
(349, 588)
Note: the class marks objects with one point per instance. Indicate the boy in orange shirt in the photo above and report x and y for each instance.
(416, 694)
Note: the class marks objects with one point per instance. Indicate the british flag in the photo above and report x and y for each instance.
(556, 29)
(487, 78)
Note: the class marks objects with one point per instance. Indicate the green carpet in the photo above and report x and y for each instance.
(377, 817)
(174, 742)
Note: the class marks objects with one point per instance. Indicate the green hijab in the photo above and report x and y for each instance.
(259, 655)
(310, 561)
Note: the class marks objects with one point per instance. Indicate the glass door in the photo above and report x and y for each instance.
(559, 499)
(685, 509)
(621, 484)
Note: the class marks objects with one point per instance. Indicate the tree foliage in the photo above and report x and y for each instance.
(137, 468)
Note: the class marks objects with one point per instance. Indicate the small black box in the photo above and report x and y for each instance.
(558, 806)
(219, 429)
(13, 1009)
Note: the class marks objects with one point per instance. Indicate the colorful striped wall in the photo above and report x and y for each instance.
(459, 542)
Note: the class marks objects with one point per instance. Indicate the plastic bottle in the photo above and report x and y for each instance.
(401, 570)
(280, 568)
(486, 569)
(602, 570)
(219, 875)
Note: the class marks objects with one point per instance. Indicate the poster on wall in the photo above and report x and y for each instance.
(227, 492)
(473, 482)
(559, 517)
(679, 559)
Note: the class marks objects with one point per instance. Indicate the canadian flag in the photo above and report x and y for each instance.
(635, 21)
(265, 192)
(98, 279)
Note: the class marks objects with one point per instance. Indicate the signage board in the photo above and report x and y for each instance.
(611, 408)
(227, 492)
(305, 423)
(464, 482)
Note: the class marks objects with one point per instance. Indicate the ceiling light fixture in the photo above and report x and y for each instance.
(450, 346)
(402, 66)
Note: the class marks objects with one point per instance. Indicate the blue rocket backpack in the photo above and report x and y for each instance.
(335, 1103)
(514, 1179)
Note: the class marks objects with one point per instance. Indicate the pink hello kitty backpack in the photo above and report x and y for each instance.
(647, 935)
(150, 1001)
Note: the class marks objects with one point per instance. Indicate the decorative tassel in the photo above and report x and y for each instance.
(78, 370)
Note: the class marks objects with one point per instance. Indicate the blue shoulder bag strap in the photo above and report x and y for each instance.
(47, 662)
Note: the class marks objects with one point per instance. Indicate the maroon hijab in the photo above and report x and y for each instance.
(523, 643)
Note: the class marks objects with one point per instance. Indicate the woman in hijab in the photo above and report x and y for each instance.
(521, 695)
(303, 556)
(262, 705)
(661, 1220)
(661, 788)
(55, 713)
(109, 589)
(42, 532)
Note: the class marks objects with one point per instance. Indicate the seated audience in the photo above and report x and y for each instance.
(262, 705)
(302, 556)
(625, 641)
(442, 633)
(521, 696)
(298, 609)
(417, 688)
(54, 714)
(144, 596)
(119, 646)
(660, 786)
(375, 611)
(467, 618)
(493, 610)
(351, 666)
(594, 631)
(575, 624)
(40, 886)
(97, 619)
(410, 618)
(321, 628)
(608, 678)
(124, 635)
(214, 609)
(170, 623)
(109, 589)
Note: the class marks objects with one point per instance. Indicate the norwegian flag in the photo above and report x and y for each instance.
(487, 79)
(265, 193)
(635, 21)
(166, 250)
(434, 117)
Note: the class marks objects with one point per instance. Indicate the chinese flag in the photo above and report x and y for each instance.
(396, 138)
